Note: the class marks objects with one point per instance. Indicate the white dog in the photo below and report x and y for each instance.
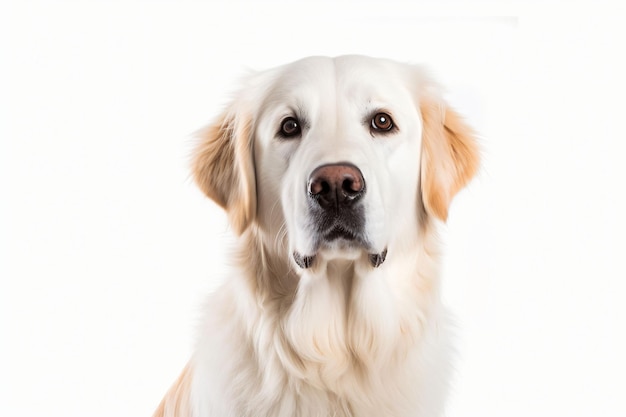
(334, 173)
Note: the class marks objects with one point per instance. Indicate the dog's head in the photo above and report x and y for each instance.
(341, 157)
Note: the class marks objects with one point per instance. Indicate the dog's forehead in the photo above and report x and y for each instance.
(354, 77)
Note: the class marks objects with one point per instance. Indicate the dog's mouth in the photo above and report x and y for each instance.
(339, 235)
(339, 232)
(340, 238)
(305, 262)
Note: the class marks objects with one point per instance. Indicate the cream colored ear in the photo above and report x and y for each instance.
(450, 156)
(223, 167)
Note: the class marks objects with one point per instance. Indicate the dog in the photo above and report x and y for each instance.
(335, 174)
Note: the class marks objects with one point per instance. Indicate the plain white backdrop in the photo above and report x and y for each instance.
(108, 249)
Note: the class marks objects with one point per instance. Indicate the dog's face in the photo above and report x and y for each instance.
(336, 158)
(340, 141)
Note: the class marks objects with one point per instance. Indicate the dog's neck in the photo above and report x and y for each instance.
(342, 316)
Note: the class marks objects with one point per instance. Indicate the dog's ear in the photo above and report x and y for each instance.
(223, 166)
(450, 156)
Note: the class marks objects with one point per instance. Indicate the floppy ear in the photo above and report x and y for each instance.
(450, 156)
(223, 166)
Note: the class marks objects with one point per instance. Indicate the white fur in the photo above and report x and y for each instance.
(341, 338)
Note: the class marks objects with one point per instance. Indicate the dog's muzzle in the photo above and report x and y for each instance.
(335, 192)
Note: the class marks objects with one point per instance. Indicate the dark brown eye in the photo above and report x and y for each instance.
(382, 122)
(290, 127)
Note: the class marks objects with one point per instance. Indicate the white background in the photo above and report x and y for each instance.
(108, 248)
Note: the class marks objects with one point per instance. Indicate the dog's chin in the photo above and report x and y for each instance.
(341, 248)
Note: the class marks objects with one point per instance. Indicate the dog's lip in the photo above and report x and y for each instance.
(338, 240)
(377, 259)
(340, 232)
(303, 261)
(306, 261)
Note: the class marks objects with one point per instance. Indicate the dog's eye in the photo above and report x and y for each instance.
(382, 122)
(290, 127)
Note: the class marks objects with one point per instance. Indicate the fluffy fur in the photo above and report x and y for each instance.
(341, 336)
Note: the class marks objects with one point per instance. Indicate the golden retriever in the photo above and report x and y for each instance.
(335, 173)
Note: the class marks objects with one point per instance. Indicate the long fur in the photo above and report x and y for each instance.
(338, 339)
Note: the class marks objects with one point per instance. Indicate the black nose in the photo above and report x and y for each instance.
(336, 185)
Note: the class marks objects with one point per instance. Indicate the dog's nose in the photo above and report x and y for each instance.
(336, 185)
